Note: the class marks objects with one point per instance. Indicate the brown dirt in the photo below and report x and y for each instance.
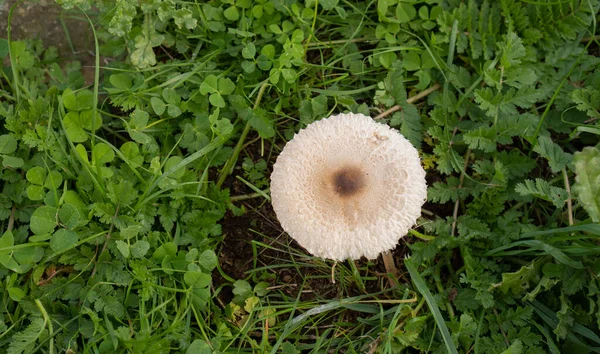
(44, 20)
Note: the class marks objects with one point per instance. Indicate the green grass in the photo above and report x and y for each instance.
(135, 213)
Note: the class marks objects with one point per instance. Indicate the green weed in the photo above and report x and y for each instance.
(135, 212)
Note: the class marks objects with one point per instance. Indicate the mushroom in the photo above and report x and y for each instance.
(347, 187)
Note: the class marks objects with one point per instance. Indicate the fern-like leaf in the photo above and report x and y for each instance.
(543, 190)
(24, 341)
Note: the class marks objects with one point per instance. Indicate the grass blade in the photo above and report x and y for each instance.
(437, 315)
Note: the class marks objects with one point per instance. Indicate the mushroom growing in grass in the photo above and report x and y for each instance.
(347, 187)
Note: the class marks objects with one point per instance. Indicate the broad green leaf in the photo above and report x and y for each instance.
(53, 180)
(102, 154)
(170, 96)
(184, 18)
(63, 239)
(405, 12)
(208, 260)
(12, 162)
(82, 152)
(164, 250)
(3, 48)
(16, 294)
(23, 57)
(143, 55)
(231, 13)
(328, 4)
(173, 110)
(123, 247)
(198, 283)
(131, 231)
(122, 81)
(587, 181)
(411, 61)
(158, 105)
(226, 86)
(248, 66)
(209, 85)
(172, 162)
(131, 151)
(8, 144)
(74, 127)
(71, 216)
(35, 192)
(139, 119)
(36, 175)
(139, 249)
(217, 100)
(199, 346)
(249, 51)
(43, 220)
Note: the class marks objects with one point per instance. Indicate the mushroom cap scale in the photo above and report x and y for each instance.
(347, 187)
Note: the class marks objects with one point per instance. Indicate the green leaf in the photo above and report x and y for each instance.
(232, 13)
(226, 86)
(139, 249)
(3, 48)
(208, 260)
(35, 192)
(405, 12)
(143, 55)
(158, 105)
(198, 283)
(139, 119)
(171, 96)
(12, 162)
(24, 341)
(248, 66)
(557, 158)
(71, 216)
(123, 248)
(588, 101)
(217, 100)
(482, 138)
(174, 111)
(171, 163)
(16, 294)
(587, 180)
(8, 144)
(121, 81)
(209, 85)
(409, 120)
(184, 18)
(23, 57)
(249, 51)
(53, 180)
(43, 220)
(36, 175)
(543, 190)
(74, 127)
(102, 153)
(199, 346)
(63, 239)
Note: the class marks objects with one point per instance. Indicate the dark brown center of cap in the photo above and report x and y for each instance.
(348, 181)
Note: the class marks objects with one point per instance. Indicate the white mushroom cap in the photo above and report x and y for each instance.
(347, 187)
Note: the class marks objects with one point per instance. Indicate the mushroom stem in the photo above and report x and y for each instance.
(333, 272)
(390, 267)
